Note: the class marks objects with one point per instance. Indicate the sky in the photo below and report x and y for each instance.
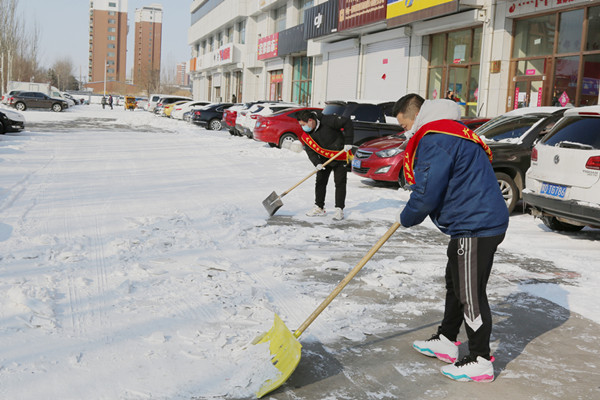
(64, 24)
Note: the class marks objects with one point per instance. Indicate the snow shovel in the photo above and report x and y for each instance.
(274, 203)
(284, 345)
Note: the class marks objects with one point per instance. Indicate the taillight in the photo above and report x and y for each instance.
(254, 116)
(197, 113)
(593, 163)
(534, 154)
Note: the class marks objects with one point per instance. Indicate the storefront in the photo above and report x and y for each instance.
(555, 58)
(293, 44)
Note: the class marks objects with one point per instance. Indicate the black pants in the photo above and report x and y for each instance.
(339, 177)
(467, 272)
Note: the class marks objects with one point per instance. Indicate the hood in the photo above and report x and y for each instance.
(383, 143)
(434, 110)
(14, 115)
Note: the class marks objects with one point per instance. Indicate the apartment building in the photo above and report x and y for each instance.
(494, 55)
(148, 42)
(107, 43)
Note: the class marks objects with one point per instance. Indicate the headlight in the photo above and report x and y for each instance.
(389, 152)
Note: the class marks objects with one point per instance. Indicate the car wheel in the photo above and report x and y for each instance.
(287, 137)
(56, 107)
(215, 125)
(509, 190)
(401, 179)
(21, 106)
(556, 225)
(2, 128)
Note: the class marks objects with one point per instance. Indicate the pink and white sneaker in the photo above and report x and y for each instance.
(471, 369)
(438, 346)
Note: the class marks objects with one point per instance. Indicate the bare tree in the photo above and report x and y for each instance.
(63, 71)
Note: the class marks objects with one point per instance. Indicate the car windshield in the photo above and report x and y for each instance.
(575, 132)
(506, 128)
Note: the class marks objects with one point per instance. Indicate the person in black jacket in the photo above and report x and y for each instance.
(327, 134)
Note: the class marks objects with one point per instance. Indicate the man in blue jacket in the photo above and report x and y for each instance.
(452, 180)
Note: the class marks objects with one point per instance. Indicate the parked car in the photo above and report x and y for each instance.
(229, 118)
(166, 100)
(280, 127)
(181, 109)
(382, 159)
(210, 116)
(246, 119)
(563, 183)
(511, 137)
(129, 103)
(24, 100)
(11, 121)
(8, 95)
(141, 103)
(168, 108)
(153, 101)
(243, 111)
(371, 119)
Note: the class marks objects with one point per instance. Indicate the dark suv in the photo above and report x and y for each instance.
(369, 119)
(24, 100)
(511, 138)
(209, 116)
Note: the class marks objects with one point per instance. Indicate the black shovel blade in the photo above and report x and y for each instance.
(272, 203)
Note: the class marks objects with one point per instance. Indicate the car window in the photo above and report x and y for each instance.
(505, 128)
(575, 130)
(367, 112)
(334, 109)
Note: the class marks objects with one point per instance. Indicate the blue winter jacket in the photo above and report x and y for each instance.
(456, 186)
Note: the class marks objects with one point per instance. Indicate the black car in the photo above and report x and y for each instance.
(511, 138)
(11, 121)
(370, 120)
(209, 116)
(24, 100)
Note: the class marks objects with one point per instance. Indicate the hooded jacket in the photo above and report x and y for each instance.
(455, 184)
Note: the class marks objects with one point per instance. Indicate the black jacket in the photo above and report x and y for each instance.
(330, 134)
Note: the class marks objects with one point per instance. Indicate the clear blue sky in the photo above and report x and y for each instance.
(64, 30)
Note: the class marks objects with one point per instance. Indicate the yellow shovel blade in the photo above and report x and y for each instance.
(285, 354)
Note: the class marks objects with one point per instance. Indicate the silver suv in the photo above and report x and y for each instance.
(563, 182)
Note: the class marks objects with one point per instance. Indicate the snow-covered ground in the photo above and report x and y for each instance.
(137, 260)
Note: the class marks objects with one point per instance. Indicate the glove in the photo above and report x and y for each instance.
(348, 147)
(319, 167)
(398, 217)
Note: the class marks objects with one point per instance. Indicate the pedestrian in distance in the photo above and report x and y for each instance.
(323, 137)
(110, 101)
(450, 95)
(103, 102)
(448, 168)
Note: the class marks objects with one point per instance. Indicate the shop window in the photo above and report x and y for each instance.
(534, 36)
(569, 31)
(459, 47)
(591, 80)
(302, 81)
(531, 67)
(565, 79)
(279, 19)
(593, 35)
(438, 44)
(275, 84)
(435, 84)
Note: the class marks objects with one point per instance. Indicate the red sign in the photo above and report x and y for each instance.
(516, 97)
(267, 46)
(564, 99)
(353, 13)
(530, 72)
(539, 100)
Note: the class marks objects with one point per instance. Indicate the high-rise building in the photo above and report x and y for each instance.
(108, 42)
(148, 40)
(183, 77)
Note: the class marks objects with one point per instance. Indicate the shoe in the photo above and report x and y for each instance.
(339, 214)
(471, 368)
(316, 212)
(438, 346)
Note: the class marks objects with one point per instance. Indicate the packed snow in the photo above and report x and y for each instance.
(137, 260)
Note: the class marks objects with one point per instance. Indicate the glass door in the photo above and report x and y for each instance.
(528, 93)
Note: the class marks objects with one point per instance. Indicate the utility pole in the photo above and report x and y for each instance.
(105, 76)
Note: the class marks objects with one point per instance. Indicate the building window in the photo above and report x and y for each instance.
(302, 6)
(110, 54)
(110, 37)
(302, 80)
(110, 70)
(454, 65)
(111, 46)
(551, 64)
(112, 21)
(219, 39)
(112, 13)
(112, 29)
(279, 19)
(228, 35)
(111, 4)
(242, 32)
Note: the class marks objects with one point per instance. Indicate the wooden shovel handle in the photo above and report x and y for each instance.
(311, 174)
(347, 279)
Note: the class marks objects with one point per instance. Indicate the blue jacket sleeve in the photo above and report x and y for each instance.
(431, 179)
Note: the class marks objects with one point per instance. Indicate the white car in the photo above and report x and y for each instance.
(246, 119)
(563, 182)
(181, 109)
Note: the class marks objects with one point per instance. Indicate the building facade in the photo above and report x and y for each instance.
(148, 42)
(494, 55)
(107, 43)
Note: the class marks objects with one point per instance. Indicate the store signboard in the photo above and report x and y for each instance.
(355, 13)
(518, 8)
(402, 12)
(268, 46)
(321, 20)
(291, 41)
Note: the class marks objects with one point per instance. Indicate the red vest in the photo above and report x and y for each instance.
(310, 142)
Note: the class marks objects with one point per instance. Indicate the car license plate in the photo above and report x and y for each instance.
(553, 190)
(355, 163)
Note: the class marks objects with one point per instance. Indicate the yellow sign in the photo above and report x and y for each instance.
(397, 8)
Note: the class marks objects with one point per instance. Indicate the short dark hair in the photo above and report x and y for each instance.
(409, 105)
(305, 115)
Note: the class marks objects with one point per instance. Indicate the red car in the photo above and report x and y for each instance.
(228, 121)
(382, 159)
(282, 126)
